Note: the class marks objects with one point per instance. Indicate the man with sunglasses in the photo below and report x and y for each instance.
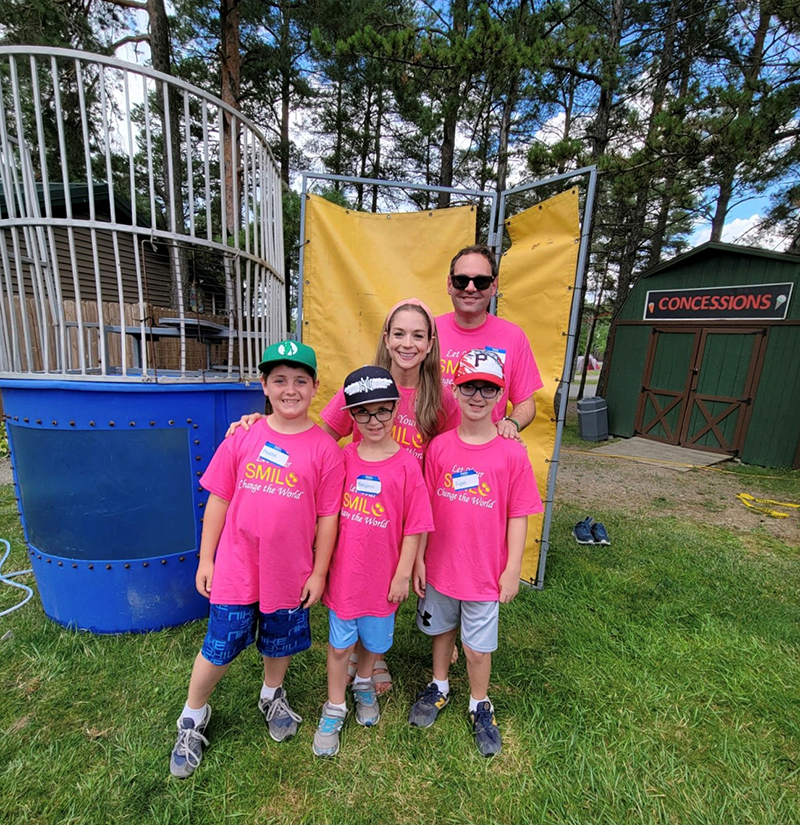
(472, 284)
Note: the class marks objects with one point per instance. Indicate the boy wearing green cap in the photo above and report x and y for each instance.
(268, 535)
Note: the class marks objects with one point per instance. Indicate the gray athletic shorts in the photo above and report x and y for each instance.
(437, 613)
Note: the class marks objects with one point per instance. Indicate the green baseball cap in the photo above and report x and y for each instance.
(290, 352)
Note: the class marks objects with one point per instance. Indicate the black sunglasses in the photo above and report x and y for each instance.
(481, 281)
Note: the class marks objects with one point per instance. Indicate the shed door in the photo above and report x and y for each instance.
(723, 386)
(698, 386)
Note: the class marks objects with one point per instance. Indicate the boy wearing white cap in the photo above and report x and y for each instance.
(482, 491)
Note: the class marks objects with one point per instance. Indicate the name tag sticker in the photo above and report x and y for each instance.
(467, 480)
(500, 353)
(274, 454)
(369, 485)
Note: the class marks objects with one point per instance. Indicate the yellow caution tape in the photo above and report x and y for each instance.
(749, 500)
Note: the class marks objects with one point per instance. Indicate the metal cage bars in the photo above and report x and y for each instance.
(101, 163)
(589, 174)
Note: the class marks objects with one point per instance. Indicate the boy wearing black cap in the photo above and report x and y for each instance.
(385, 509)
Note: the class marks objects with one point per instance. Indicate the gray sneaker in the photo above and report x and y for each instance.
(326, 737)
(282, 721)
(188, 751)
(425, 710)
(367, 710)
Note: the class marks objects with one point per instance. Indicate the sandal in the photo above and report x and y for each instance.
(381, 678)
(352, 667)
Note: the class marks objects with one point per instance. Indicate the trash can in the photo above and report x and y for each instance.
(593, 419)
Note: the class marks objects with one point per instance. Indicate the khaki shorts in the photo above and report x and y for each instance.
(437, 614)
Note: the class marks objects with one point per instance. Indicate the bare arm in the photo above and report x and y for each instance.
(331, 432)
(398, 590)
(523, 413)
(213, 522)
(516, 533)
(327, 528)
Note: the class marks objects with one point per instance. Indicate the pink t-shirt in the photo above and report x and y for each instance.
(474, 490)
(506, 339)
(383, 501)
(404, 429)
(277, 486)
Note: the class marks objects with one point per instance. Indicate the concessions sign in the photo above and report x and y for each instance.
(760, 302)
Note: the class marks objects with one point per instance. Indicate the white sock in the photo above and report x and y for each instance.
(362, 680)
(196, 716)
(343, 706)
(473, 703)
(442, 685)
(268, 692)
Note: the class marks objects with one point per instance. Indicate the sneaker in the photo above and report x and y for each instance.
(599, 534)
(326, 737)
(282, 721)
(367, 710)
(484, 726)
(188, 751)
(583, 531)
(425, 710)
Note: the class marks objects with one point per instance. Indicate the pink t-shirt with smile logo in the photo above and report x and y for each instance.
(404, 429)
(475, 489)
(277, 486)
(383, 501)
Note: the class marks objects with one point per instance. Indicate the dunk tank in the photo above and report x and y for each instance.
(142, 275)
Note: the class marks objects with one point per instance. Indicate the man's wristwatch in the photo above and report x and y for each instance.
(513, 421)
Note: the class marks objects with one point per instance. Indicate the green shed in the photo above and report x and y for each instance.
(705, 353)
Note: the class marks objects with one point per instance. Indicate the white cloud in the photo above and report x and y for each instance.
(743, 231)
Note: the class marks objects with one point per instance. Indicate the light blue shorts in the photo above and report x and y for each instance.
(375, 632)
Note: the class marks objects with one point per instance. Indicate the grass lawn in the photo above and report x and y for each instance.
(653, 681)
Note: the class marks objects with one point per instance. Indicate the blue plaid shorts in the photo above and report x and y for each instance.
(234, 627)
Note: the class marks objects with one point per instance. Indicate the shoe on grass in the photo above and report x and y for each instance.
(599, 534)
(583, 531)
(326, 737)
(484, 727)
(188, 751)
(282, 721)
(425, 710)
(368, 713)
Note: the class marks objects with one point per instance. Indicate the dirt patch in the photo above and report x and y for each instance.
(701, 495)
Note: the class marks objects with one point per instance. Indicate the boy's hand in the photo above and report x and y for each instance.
(203, 577)
(312, 590)
(245, 421)
(398, 589)
(418, 578)
(509, 586)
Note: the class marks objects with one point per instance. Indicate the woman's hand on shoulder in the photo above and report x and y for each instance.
(245, 421)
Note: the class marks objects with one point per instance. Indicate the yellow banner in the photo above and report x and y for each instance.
(357, 265)
(537, 276)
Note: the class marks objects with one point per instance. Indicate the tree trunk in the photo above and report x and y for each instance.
(231, 78)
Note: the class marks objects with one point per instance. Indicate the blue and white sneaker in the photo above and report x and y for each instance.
(599, 534)
(188, 751)
(326, 737)
(281, 720)
(484, 727)
(583, 531)
(368, 713)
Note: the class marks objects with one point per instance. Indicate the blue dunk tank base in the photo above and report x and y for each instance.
(107, 481)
